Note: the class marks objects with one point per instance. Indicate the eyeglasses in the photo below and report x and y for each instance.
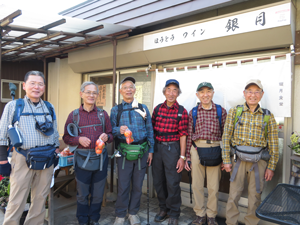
(253, 92)
(90, 93)
(33, 84)
(128, 88)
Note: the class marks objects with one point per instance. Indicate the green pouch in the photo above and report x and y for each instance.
(133, 152)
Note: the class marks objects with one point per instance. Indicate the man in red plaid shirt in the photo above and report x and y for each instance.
(205, 137)
(170, 121)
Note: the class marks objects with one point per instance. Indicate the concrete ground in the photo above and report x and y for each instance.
(67, 216)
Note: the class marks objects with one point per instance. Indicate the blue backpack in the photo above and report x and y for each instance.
(219, 113)
(38, 158)
(20, 107)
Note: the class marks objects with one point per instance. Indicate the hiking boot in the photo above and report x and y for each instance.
(173, 221)
(134, 219)
(119, 221)
(92, 222)
(199, 220)
(211, 221)
(161, 216)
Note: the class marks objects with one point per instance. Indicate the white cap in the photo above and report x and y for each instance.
(254, 81)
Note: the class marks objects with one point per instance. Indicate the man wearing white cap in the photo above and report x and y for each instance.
(250, 151)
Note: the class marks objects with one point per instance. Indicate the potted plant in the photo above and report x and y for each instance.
(4, 192)
(295, 144)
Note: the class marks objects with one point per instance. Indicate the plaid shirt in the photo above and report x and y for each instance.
(93, 133)
(250, 133)
(168, 124)
(30, 135)
(207, 126)
(139, 128)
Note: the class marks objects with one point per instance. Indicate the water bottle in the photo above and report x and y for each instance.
(14, 136)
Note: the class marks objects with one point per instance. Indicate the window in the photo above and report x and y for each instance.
(5, 95)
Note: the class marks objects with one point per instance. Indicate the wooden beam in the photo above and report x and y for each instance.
(12, 16)
(6, 22)
(33, 42)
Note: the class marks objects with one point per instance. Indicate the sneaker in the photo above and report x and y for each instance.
(117, 155)
(173, 221)
(119, 221)
(211, 221)
(161, 216)
(199, 220)
(134, 219)
(92, 222)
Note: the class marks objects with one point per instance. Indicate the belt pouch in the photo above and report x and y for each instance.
(210, 156)
(40, 158)
(88, 159)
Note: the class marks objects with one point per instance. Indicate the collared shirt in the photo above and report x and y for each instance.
(166, 125)
(140, 128)
(250, 133)
(207, 126)
(30, 135)
(93, 133)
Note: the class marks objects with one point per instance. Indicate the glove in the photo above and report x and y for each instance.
(5, 169)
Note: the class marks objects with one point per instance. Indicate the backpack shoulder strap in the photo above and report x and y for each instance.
(18, 110)
(157, 109)
(51, 110)
(219, 114)
(141, 107)
(238, 114)
(120, 110)
(267, 115)
(76, 117)
(180, 111)
(101, 118)
(194, 114)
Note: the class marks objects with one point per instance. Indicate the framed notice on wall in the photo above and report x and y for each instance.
(101, 100)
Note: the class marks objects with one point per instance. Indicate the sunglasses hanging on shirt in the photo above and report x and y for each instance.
(46, 127)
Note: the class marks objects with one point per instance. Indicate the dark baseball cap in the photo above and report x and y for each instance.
(172, 81)
(204, 84)
(128, 79)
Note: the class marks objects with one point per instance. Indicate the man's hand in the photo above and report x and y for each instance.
(222, 166)
(187, 166)
(180, 165)
(104, 137)
(123, 129)
(269, 174)
(149, 160)
(227, 167)
(3, 162)
(84, 141)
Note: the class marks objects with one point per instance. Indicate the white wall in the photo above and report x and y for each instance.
(63, 90)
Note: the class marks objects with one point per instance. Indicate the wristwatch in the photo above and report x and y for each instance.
(183, 157)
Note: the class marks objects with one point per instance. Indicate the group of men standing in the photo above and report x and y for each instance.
(170, 140)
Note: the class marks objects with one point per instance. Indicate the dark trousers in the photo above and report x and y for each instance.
(90, 183)
(130, 174)
(166, 179)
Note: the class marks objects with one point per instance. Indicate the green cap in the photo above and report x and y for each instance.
(204, 84)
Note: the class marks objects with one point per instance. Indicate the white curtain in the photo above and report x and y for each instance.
(229, 83)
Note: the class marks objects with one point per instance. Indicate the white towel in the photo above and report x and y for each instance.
(135, 104)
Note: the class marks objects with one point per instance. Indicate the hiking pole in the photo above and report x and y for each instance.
(148, 181)
(190, 179)
(12, 88)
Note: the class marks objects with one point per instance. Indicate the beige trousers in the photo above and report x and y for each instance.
(21, 180)
(213, 174)
(236, 189)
